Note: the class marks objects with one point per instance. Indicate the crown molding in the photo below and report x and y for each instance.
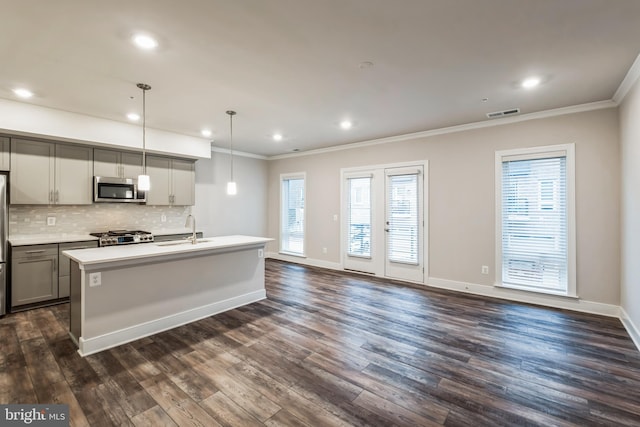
(459, 128)
(237, 153)
(627, 83)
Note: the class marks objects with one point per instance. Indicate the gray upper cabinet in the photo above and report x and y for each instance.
(32, 177)
(73, 177)
(183, 182)
(120, 164)
(172, 181)
(47, 173)
(5, 154)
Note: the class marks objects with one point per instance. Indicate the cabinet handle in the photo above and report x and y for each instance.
(57, 196)
(51, 196)
(53, 264)
(35, 252)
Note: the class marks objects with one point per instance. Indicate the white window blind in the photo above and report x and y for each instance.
(535, 223)
(292, 215)
(359, 216)
(402, 226)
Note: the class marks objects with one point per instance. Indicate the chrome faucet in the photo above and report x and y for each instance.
(192, 220)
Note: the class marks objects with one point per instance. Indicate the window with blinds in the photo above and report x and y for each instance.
(359, 216)
(292, 216)
(535, 223)
(402, 226)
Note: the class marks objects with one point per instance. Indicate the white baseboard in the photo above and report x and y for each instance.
(568, 303)
(306, 261)
(123, 336)
(632, 329)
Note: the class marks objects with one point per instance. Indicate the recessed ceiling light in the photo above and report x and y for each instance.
(144, 41)
(23, 93)
(277, 137)
(346, 124)
(206, 133)
(134, 117)
(530, 83)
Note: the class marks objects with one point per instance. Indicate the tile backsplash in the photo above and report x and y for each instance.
(32, 219)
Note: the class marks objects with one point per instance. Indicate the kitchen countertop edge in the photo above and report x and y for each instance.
(46, 239)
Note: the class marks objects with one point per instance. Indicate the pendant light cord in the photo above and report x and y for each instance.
(231, 114)
(144, 131)
(145, 87)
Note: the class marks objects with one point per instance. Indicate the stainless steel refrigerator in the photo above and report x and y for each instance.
(3, 243)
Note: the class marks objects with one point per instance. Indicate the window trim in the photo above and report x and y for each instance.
(283, 177)
(538, 153)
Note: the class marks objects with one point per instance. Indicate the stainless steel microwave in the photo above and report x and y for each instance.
(117, 190)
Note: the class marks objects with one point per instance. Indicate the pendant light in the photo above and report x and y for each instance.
(232, 189)
(144, 183)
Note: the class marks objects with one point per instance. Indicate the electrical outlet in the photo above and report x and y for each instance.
(260, 253)
(163, 218)
(51, 220)
(485, 269)
(335, 217)
(324, 250)
(95, 279)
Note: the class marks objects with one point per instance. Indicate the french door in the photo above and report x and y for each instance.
(383, 221)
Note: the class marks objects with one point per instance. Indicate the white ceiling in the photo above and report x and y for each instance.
(293, 66)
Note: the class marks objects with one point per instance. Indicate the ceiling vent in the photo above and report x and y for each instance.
(503, 113)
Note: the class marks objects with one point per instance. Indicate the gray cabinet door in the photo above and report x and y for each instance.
(106, 163)
(34, 276)
(74, 175)
(159, 171)
(183, 182)
(5, 154)
(131, 165)
(32, 177)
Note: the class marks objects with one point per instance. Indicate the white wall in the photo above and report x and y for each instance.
(219, 214)
(461, 196)
(630, 211)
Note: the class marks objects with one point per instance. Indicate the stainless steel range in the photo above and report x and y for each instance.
(123, 237)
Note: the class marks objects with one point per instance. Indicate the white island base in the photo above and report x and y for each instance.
(120, 294)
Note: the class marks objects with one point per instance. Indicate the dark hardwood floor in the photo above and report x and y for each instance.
(334, 349)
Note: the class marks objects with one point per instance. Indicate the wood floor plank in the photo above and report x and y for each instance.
(248, 398)
(153, 417)
(226, 412)
(188, 413)
(331, 348)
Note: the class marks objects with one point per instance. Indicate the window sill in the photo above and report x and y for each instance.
(536, 291)
(292, 254)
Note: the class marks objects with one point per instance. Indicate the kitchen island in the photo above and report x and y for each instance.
(123, 293)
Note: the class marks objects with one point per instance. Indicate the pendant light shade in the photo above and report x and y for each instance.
(232, 188)
(144, 183)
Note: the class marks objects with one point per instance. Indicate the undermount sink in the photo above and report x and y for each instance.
(182, 242)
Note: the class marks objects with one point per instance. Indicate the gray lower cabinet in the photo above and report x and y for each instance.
(34, 274)
(65, 264)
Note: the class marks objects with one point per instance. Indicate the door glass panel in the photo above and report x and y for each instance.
(402, 219)
(359, 217)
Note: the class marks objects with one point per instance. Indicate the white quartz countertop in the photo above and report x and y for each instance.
(128, 254)
(44, 239)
